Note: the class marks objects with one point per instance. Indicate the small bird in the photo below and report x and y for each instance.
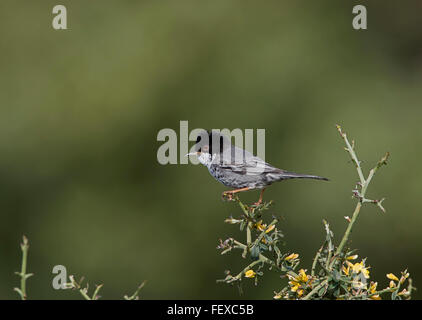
(237, 168)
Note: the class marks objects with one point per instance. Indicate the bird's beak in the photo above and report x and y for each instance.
(192, 154)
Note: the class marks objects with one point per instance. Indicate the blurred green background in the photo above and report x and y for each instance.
(80, 110)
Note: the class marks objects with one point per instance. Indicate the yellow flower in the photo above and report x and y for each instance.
(392, 277)
(392, 284)
(296, 282)
(271, 228)
(365, 273)
(359, 267)
(231, 220)
(291, 257)
(403, 292)
(354, 257)
(404, 276)
(260, 226)
(250, 274)
(346, 270)
(294, 285)
(373, 287)
(302, 276)
(277, 296)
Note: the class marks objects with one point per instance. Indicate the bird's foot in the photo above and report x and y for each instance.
(256, 204)
(227, 195)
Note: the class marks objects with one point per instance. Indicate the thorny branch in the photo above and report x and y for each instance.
(23, 275)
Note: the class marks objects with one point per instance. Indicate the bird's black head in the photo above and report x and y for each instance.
(210, 141)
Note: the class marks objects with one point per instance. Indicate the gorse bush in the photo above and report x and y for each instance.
(336, 272)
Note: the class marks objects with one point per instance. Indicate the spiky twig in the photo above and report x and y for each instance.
(22, 290)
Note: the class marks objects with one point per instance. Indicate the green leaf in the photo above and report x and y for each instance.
(337, 292)
(344, 286)
(394, 295)
(263, 247)
(321, 292)
(242, 225)
(255, 252)
(336, 275)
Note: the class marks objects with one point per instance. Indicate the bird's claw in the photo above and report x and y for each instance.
(256, 204)
(227, 196)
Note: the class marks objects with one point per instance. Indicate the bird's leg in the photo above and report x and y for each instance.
(229, 194)
(260, 198)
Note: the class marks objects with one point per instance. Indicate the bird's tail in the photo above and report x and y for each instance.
(293, 175)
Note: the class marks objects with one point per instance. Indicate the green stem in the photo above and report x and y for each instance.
(135, 296)
(240, 274)
(97, 290)
(350, 149)
(315, 261)
(364, 187)
(25, 247)
(315, 290)
(248, 239)
(349, 229)
(84, 293)
(22, 290)
(248, 228)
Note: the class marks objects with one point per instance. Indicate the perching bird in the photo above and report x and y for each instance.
(237, 168)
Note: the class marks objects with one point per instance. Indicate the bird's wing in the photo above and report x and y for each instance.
(243, 162)
(251, 168)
